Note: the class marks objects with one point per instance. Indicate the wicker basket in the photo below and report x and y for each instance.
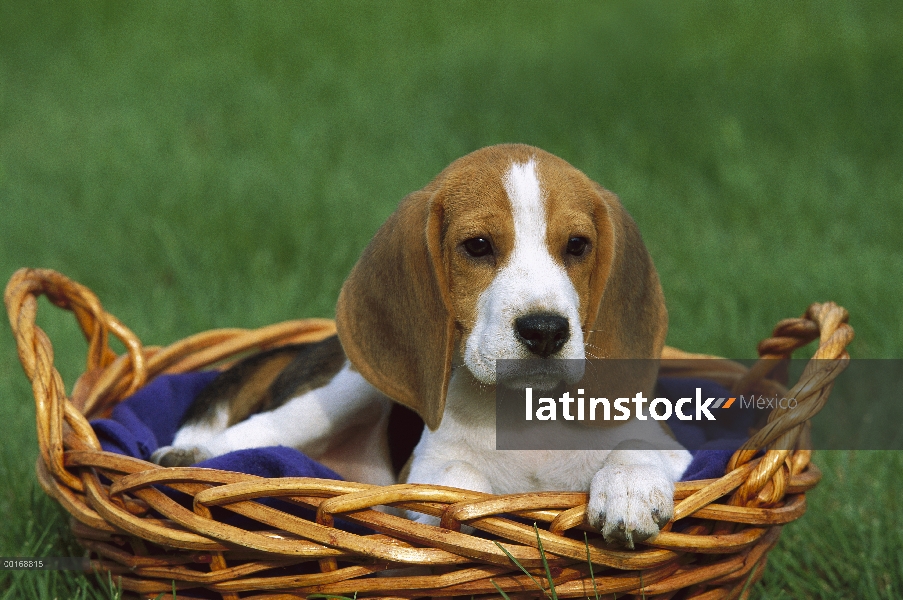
(139, 534)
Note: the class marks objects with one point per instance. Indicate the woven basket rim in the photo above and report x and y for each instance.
(737, 517)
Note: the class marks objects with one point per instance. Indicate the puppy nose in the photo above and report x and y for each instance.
(542, 334)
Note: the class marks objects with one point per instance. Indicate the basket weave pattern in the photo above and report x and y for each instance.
(139, 534)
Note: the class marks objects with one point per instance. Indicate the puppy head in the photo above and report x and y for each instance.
(509, 253)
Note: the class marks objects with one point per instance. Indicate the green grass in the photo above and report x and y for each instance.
(202, 165)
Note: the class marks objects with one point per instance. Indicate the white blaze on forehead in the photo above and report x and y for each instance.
(522, 187)
(531, 281)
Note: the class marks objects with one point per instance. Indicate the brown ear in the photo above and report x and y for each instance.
(393, 315)
(631, 321)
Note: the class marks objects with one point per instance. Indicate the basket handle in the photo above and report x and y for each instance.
(96, 324)
(827, 322)
(36, 355)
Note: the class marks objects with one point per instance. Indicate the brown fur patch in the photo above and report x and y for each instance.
(314, 366)
(266, 380)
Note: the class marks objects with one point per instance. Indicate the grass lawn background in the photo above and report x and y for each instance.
(204, 165)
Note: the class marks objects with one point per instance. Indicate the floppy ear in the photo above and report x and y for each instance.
(631, 320)
(393, 316)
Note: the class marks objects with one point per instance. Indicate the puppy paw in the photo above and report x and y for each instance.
(630, 503)
(179, 456)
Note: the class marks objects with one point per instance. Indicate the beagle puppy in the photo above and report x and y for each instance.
(509, 253)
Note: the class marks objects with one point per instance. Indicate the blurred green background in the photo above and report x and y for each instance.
(205, 165)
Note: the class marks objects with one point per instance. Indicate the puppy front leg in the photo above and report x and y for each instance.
(632, 496)
(453, 473)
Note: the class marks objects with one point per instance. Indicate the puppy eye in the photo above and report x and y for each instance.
(477, 247)
(577, 246)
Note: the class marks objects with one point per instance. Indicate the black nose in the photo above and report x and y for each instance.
(542, 334)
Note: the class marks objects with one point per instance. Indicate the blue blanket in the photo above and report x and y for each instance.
(150, 418)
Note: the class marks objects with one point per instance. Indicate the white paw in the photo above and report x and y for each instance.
(630, 503)
(179, 456)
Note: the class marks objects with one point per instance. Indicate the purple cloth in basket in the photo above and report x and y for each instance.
(150, 418)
